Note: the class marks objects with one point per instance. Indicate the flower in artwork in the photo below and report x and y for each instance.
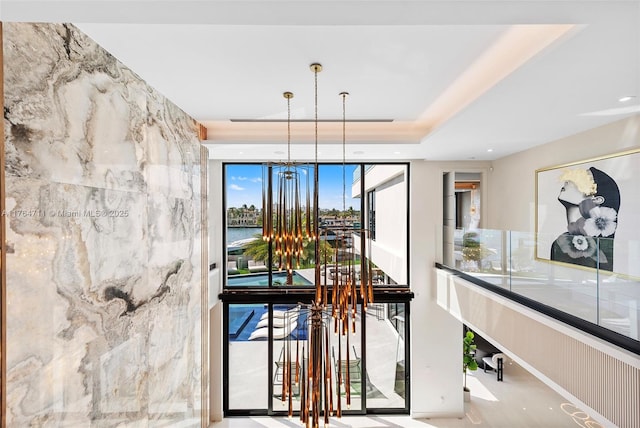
(601, 222)
(576, 246)
(580, 243)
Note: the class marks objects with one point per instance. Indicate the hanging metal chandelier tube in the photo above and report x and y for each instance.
(314, 369)
(320, 298)
(285, 227)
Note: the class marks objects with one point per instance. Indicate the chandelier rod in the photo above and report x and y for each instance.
(288, 96)
(344, 150)
(320, 293)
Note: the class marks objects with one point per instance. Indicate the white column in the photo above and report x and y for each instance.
(436, 336)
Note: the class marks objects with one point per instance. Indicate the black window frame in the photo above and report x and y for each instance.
(371, 213)
(276, 294)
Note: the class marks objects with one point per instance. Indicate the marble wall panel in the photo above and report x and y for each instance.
(103, 206)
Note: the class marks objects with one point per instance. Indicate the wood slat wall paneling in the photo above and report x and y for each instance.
(603, 377)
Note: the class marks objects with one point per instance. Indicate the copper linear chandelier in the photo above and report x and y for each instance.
(343, 279)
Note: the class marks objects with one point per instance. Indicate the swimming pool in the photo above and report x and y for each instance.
(244, 320)
(262, 279)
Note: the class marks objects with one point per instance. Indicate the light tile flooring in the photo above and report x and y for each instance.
(520, 401)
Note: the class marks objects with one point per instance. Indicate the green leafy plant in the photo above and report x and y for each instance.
(473, 249)
(258, 249)
(468, 354)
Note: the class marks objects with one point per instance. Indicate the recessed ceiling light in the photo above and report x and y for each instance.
(626, 98)
(489, 150)
(358, 152)
(396, 153)
(279, 152)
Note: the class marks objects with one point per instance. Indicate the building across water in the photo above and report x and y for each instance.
(244, 216)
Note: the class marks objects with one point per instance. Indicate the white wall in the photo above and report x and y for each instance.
(436, 336)
(511, 184)
(215, 287)
(389, 249)
(215, 212)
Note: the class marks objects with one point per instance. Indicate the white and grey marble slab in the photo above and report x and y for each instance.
(103, 239)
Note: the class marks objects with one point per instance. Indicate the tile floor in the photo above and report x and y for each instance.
(521, 401)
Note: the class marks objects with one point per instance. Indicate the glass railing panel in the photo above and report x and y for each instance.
(619, 288)
(595, 279)
(562, 285)
(522, 246)
(483, 253)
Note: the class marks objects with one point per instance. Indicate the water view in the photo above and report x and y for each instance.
(239, 233)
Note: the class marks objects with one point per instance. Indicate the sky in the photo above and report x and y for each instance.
(244, 186)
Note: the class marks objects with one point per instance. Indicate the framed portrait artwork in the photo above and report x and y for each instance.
(588, 213)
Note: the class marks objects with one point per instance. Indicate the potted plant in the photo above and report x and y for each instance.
(473, 249)
(468, 360)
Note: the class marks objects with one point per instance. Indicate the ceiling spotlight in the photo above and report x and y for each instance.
(396, 153)
(489, 150)
(626, 98)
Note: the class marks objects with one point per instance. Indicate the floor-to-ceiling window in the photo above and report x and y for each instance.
(265, 310)
(247, 360)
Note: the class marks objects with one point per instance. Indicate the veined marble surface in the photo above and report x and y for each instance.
(104, 239)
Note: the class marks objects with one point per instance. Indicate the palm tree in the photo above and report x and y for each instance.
(258, 249)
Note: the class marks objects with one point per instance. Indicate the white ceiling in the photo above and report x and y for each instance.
(457, 78)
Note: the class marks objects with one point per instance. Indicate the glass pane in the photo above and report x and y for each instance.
(386, 204)
(340, 219)
(559, 285)
(292, 223)
(289, 335)
(339, 201)
(346, 358)
(248, 362)
(290, 354)
(619, 295)
(483, 252)
(247, 254)
(385, 355)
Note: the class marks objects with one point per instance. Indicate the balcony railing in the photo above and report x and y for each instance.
(520, 262)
